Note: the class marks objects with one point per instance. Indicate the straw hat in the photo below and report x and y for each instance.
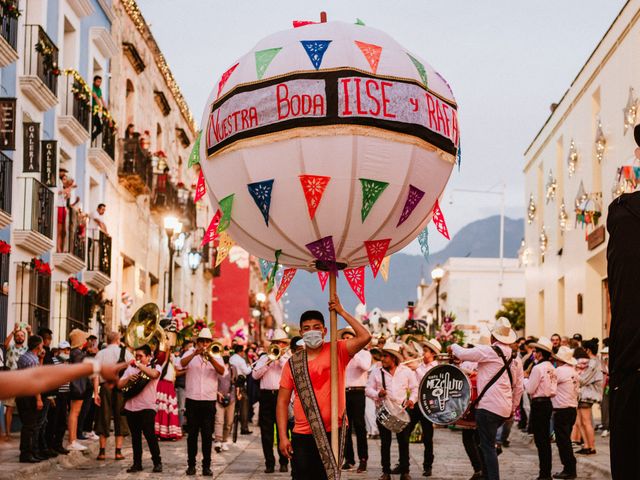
(484, 340)
(503, 332)
(393, 348)
(279, 335)
(348, 330)
(565, 354)
(205, 333)
(433, 345)
(78, 337)
(543, 343)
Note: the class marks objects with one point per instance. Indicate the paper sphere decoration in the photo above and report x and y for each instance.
(331, 136)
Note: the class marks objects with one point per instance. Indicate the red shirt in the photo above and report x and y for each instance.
(320, 374)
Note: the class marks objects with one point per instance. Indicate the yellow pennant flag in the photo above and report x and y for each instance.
(384, 268)
(224, 245)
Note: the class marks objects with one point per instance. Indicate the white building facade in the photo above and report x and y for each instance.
(572, 172)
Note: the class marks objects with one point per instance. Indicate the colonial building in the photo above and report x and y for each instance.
(578, 162)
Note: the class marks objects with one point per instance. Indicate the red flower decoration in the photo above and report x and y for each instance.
(5, 248)
(78, 286)
(43, 268)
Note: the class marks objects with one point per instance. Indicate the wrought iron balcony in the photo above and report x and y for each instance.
(70, 254)
(103, 145)
(6, 172)
(136, 170)
(165, 194)
(75, 118)
(34, 296)
(34, 231)
(41, 71)
(98, 274)
(8, 33)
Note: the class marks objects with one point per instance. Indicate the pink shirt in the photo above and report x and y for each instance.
(568, 387)
(358, 369)
(400, 385)
(502, 398)
(422, 370)
(146, 399)
(269, 373)
(542, 382)
(201, 379)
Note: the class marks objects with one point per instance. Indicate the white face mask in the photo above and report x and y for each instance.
(64, 356)
(313, 338)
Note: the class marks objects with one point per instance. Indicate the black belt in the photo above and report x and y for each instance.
(355, 389)
(541, 399)
(273, 392)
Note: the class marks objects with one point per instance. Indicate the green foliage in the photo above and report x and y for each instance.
(514, 311)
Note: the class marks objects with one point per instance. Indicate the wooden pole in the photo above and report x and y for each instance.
(333, 325)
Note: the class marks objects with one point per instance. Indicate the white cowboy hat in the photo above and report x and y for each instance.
(433, 345)
(565, 354)
(503, 332)
(280, 335)
(393, 348)
(543, 343)
(484, 340)
(205, 333)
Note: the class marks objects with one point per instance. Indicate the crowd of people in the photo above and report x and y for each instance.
(547, 386)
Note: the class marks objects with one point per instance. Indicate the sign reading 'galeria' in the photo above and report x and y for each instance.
(333, 98)
(31, 146)
(49, 162)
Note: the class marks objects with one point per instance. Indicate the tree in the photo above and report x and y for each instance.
(514, 311)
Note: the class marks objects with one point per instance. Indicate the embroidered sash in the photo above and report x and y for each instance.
(309, 402)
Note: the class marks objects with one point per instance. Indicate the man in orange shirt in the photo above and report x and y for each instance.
(309, 373)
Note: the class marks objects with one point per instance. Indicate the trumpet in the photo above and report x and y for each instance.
(214, 349)
(274, 352)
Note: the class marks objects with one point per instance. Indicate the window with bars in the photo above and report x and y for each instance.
(34, 296)
(77, 309)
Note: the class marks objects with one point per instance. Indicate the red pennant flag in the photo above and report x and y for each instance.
(212, 232)
(371, 53)
(287, 276)
(438, 220)
(225, 77)
(355, 278)
(323, 277)
(201, 187)
(376, 251)
(302, 23)
(313, 187)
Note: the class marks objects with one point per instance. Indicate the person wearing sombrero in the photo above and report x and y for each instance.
(268, 372)
(541, 384)
(396, 383)
(499, 381)
(356, 380)
(565, 404)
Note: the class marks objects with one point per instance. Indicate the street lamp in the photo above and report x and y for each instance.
(178, 243)
(437, 274)
(172, 227)
(194, 257)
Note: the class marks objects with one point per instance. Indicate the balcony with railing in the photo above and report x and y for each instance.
(164, 194)
(102, 152)
(98, 274)
(34, 230)
(6, 172)
(71, 241)
(33, 295)
(136, 169)
(75, 115)
(39, 81)
(8, 32)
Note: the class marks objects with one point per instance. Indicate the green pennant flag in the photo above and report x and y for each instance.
(421, 70)
(264, 58)
(359, 22)
(274, 270)
(194, 158)
(225, 207)
(371, 190)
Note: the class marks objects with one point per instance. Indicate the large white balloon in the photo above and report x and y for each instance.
(336, 100)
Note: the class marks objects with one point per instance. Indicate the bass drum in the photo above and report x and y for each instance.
(392, 416)
(444, 395)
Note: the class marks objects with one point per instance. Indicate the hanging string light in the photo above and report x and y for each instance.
(531, 210)
(551, 187)
(630, 111)
(601, 142)
(572, 159)
(544, 241)
(563, 217)
(524, 254)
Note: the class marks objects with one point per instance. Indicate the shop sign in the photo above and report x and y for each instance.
(31, 146)
(596, 238)
(49, 162)
(7, 123)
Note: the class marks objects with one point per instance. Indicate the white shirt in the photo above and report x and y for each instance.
(358, 369)
(146, 399)
(423, 369)
(268, 372)
(111, 355)
(400, 385)
(568, 387)
(542, 382)
(95, 218)
(241, 365)
(201, 380)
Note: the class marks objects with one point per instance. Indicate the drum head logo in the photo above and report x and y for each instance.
(445, 393)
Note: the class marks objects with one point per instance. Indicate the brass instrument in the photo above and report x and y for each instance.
(214, 349)
(274, 352)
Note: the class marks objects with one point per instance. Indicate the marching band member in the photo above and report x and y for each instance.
(565, 404)
(201, 393)
(309, 373)
(542, 384)
(397, 383)
(356, 381)
(499, 386)
(269, 371)
(431, 348)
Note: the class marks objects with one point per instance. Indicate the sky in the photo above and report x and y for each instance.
(505, 60)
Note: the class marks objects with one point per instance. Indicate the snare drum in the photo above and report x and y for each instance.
(392, 416)
(444, 395)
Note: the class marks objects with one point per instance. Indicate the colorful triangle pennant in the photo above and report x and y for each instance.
(459, 155)
(355, 279)
(323, 277)
(287, 276)
(313, 187)
(264, 59)
(371, 190)
(194, 157)
(226, 205)
(201, 187)
(315, 50)
(212, 231)
(261, 193)
(423, 240)
(413, 198)
(376, 251)
(274, 271)
(359, 22)
(323, 249)
(371, 53)
(265, 268)
(224, 245)
(384, 268)
(420, 68)
(438, 219)
(225, 77)
(302, 23)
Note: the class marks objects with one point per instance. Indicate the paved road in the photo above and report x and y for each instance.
(244, 461)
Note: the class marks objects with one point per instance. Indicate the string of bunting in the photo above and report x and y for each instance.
(261, 193)
(224, 245)
(225, 78)
(274, 271)
(413, 198)
(355, 279)
(212, 231)
(313, 187)
(201, 187)
(423, 240)
(384, 268)
(226, 204)
(315, 50)
(376, 251)
(194, 156)
(371, 191)
(265, 268)
(287, 276)
(323, 277)
(438, 220)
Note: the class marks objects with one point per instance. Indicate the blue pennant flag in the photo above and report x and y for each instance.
(315, 49)
(261, 193)
(265, 268)
(459, 154)
(423, 240)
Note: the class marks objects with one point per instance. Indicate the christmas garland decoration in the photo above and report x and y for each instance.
(80, 89)
(46, 51)
(9, 8)
(40, 266)
(5, 248)
(78, 286)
